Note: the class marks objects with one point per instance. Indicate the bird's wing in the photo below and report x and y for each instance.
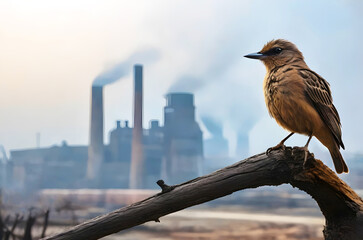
(318, 90)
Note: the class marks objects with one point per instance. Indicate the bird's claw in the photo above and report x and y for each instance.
(306, 153)
(306, 150)
(277, 147)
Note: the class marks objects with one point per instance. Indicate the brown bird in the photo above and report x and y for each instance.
(299, 99)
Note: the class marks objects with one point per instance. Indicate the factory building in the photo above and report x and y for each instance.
(134, 158)
(183, 148)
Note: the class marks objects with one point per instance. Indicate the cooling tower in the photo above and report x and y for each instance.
(137, 158)
(95, 148)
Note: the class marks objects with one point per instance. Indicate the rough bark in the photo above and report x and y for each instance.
(340, 205)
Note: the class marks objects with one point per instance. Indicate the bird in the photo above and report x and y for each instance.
(299, 99)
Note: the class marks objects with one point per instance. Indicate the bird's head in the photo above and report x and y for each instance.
(278, 53)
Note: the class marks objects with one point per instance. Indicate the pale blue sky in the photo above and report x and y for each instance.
(51, 51)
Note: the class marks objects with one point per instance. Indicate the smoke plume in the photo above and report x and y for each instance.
(187, 83)
(213, 126)
(124, 67)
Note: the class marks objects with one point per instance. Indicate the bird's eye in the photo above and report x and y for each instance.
(277, 50)
(273, 51)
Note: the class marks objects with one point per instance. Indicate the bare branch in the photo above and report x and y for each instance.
(29, 225)
(340, 205)
(45, 224)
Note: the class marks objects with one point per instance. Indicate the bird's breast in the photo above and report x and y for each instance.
(270, 89)
(286, 102)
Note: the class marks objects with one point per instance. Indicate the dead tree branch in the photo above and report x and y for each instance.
(341, 206)
(45, 224)
(29, 225)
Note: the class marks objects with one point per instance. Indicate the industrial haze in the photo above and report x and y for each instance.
(192, 48)
(100, 99)
(134, 158)
(200, 47)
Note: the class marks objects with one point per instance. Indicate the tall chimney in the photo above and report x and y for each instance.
(137, 158)
(95, 148)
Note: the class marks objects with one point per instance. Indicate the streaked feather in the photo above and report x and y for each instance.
(318, 90)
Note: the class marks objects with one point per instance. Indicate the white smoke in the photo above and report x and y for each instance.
(123, 68)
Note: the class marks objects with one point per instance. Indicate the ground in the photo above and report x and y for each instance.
(188, 226)
(229, 224)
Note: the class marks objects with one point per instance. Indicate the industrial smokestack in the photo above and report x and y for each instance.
(95, 148)
(137, 158)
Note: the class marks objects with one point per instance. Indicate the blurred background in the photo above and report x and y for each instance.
(100, 99)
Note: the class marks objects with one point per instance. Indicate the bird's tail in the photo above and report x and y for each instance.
(339, 163)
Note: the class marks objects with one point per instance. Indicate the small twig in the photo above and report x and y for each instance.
(18, 218)
(45, 225)
(7, 233)
(29, 225)
(164, 188)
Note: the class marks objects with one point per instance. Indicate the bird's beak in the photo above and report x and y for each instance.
(257, 55)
